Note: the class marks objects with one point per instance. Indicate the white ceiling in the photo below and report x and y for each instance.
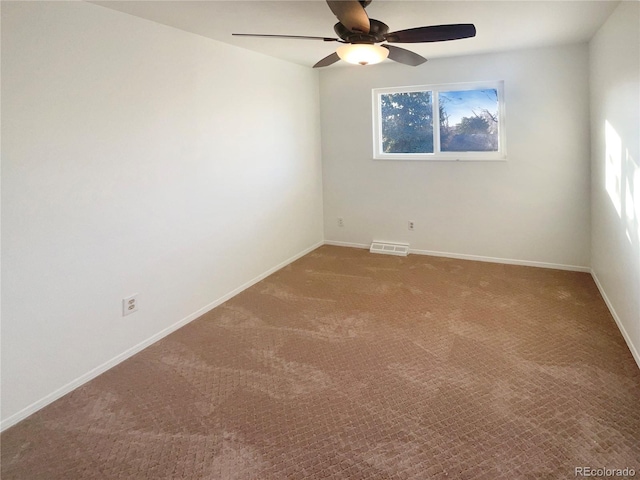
(501, 25)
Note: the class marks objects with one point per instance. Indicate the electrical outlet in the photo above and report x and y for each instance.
(411, 226)
(130, 305)
(340, 222)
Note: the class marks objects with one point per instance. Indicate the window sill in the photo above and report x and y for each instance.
(442, 158)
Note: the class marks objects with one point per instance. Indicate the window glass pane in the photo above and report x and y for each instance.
(469, 120)
(407, 122)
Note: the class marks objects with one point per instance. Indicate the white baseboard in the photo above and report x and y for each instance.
(346, 244)
(507, 261)
(614, 314)
(43, 402)
(477, 258)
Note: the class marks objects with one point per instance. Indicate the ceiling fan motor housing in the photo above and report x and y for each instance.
(377, 32)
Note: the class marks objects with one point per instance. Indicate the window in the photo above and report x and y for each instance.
(439, 122)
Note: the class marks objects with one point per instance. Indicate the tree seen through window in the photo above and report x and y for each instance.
(469, 120)
(407, 122)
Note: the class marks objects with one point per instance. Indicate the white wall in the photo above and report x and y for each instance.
(615, 100)
(534, 207)
(137, 158)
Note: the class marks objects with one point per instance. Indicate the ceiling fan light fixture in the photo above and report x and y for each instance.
(362, 53)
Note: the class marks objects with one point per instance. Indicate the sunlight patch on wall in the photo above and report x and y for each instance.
(613, 168)
(632, 199)
(622, 182)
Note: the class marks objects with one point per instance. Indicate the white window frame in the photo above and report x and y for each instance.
(437, 155)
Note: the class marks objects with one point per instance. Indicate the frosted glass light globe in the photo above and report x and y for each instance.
(362, 53)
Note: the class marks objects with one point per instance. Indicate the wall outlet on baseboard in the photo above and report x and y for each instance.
(410, 225)
(130, 305)
(340, 222)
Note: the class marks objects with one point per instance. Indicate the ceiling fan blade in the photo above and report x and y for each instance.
(402, 55)
(302, 37)
(328, 60)
(435, 33)
(351, 14)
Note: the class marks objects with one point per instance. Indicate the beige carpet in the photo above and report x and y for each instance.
(352, 365)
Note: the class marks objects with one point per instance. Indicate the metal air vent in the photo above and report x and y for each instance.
(400, 249)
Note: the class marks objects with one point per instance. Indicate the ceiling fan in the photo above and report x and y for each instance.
(361, 36)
